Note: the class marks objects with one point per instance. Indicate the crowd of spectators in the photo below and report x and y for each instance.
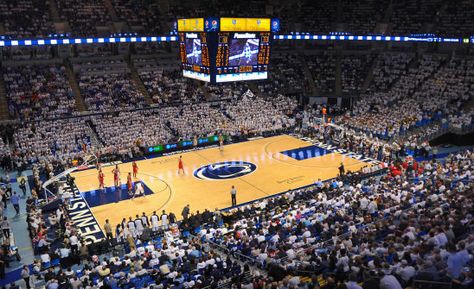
(124, 131)
(456, 19)
(285, 76)
(31, 18)
(368, 111)
(110, 91)
(414, 223)
(348, 230)
(354, 70)
(26, 18)
(149, 252)
(142, 16)
(256, 115)
(38, 91)
(362, 18)
(83, 16)
(318, 17)
(168, 86)
(323, 70)
(414, 17)
(196, 120)
(47, 140)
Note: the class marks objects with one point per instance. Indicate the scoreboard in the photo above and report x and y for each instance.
(226, 49)
(242, 56)
(194, 55)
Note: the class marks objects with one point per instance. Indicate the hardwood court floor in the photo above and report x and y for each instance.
(275, 173)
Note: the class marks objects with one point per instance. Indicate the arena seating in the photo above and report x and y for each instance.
(346, 232)
(167, 86)
(123, 131)
(194, 120)
(314, 221)
(39, 91)
(456, 19)
(260, 115)
(354, 70)
(322, 68)
(287, 75)
(450, 81)
(363, 17)
(142, 16)
(26, 18)
(412, 17)
(51, 140)
(83, 16)
(394, 225)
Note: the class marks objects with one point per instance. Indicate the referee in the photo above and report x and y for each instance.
(233, 195)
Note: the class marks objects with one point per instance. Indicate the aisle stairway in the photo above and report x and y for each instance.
(338, 80)
(307, 75)
(80, 104)
(138, 82)
(110, 8)
(370, 74)
(53, 10)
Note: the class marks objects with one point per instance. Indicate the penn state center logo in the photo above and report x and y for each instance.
(224, 170)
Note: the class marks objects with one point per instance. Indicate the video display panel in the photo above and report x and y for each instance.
(193, 51)
(243, 52)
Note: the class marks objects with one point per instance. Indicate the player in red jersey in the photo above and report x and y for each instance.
(101, 180)
(130, 184)
(116, 172)
(180, 165)
(135, 169)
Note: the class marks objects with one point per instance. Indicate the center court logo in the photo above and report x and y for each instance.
(224, 170)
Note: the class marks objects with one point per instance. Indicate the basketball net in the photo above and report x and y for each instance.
(89, 159)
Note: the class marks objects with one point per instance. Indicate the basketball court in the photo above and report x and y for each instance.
(257, 168)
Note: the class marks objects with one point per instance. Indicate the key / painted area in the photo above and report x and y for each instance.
(306, 152)
(109, 195)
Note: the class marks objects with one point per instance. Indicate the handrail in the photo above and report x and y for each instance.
(447, 285)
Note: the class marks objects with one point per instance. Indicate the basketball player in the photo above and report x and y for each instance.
(221, 142)
(101, 180)
(164, 220)
(131, 227)
(116, 172)
(135, 169)
(155, 222)
(139, 190)
(180, 165)
(139, 225)
(130, 185)
(233, 195)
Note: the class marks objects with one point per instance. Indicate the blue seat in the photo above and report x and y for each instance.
(55, 262)
(45, 265)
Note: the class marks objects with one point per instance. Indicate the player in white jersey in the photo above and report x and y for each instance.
(145, 221)
(139, 225)
(221, 142)
(155, 222)
(125, 233)
(132, 228)
(164, 220)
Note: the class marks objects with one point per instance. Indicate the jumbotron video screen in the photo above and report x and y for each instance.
(193, 51)
(226, 49)
(243, 52)
(194, 56)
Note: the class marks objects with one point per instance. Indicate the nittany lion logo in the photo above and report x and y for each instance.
(224, 170)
